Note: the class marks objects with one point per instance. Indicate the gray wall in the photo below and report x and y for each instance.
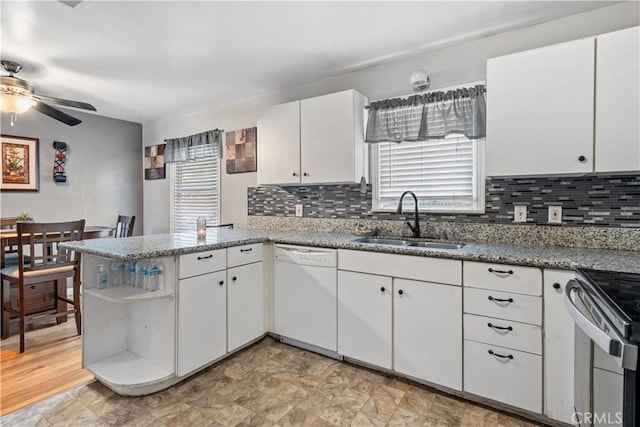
(455, 65)
(104, 170)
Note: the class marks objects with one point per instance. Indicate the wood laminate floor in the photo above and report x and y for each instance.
(268, 384)
(50, 364)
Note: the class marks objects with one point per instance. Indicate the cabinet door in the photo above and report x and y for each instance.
(202, 320)
(559, 348)
(427, 330)
(607, 398)
(279, 149)
(364, 317)
(540, 111)
(329, 142)
(245, 306)
(618, 101)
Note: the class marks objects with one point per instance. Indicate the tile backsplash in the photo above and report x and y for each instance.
(602, 201)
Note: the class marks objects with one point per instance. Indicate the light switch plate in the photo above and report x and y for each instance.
(298, 210)
(519, 214)
(555, 215)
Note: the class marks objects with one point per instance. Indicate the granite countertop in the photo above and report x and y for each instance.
(537, 256)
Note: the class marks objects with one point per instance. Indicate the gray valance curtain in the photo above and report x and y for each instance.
(194, 147)
(429, 116)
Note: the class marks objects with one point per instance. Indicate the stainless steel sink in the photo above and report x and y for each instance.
(436, 245)
(378, 241)
(408, 243)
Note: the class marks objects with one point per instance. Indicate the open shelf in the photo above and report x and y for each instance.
(128, 369)
(127, 294)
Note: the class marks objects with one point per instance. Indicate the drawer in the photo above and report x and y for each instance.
(202, 262)
(245, 254)
(514, 379)
(503, 305)
(503, 277)
(438, 270)
(505, 333)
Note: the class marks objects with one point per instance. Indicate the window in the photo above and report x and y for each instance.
(195, 193)
(447, 175)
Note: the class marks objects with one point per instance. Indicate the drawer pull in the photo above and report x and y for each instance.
(246, 250)
(502, 356)
(502, 328)
(491, 270)
(508, 301)
(205, 258)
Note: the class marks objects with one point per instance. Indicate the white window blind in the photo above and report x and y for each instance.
(196, 193)
(445, 174)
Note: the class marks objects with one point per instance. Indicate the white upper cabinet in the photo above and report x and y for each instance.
(541, 106)
(618, 101)
(314, 141)
(279, 150)
(540, 111)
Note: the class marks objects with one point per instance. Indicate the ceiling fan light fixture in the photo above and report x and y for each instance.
(15, 104)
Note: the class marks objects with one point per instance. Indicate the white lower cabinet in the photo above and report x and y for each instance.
(202, 320)
(502, 374)
(245, 304)
(364, 317)
(559, 349)
(427, 331)
(608, 389)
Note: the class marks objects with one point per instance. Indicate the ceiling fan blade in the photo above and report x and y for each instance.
(54, 113)
(65, 102)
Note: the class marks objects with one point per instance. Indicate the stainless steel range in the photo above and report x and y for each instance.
(606, 309)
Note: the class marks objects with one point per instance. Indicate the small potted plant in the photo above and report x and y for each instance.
(25, 217)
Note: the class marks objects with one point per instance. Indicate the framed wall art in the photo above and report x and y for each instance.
(241, 150)
(154, 166)
(20, 164)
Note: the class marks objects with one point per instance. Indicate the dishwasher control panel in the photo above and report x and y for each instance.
(305, 255)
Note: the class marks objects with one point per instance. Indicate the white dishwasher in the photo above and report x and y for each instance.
(305, 297)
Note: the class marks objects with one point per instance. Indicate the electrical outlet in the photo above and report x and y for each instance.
(555, 215)
(298, 210)
(519, 214)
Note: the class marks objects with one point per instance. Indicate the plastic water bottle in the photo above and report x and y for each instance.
(126, 274)
(116, 273)
(139, 274)
(133, 269)
(102, 277)
(156, 282)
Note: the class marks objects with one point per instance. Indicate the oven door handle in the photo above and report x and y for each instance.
(597, 335)
(625, 352)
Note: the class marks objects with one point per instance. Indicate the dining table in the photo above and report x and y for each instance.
(40, 302)
(9, 237)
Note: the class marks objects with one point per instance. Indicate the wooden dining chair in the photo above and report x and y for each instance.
(47, 262)
(124, 226)
(9, 255)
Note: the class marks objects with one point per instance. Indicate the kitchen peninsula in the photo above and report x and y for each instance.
(218, 297)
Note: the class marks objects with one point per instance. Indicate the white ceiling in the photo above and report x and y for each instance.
(141, 61)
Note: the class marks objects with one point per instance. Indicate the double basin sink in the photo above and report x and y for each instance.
(407, 243)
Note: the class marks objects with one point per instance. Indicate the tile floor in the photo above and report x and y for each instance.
(268, 384)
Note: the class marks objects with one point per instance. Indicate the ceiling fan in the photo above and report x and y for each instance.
(18, 96)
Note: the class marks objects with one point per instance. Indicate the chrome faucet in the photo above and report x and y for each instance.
(415, 229)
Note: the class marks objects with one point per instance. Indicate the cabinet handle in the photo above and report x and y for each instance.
(502, 328)
(582, 159)
(234, 278)
(305, 174)
(508, 356)
(203, 258)
(510, 300)
(295, 174)
(221, 282)
(246, 250)
(556, 286)
(382, 289)
(491, 270)
(400, 292)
